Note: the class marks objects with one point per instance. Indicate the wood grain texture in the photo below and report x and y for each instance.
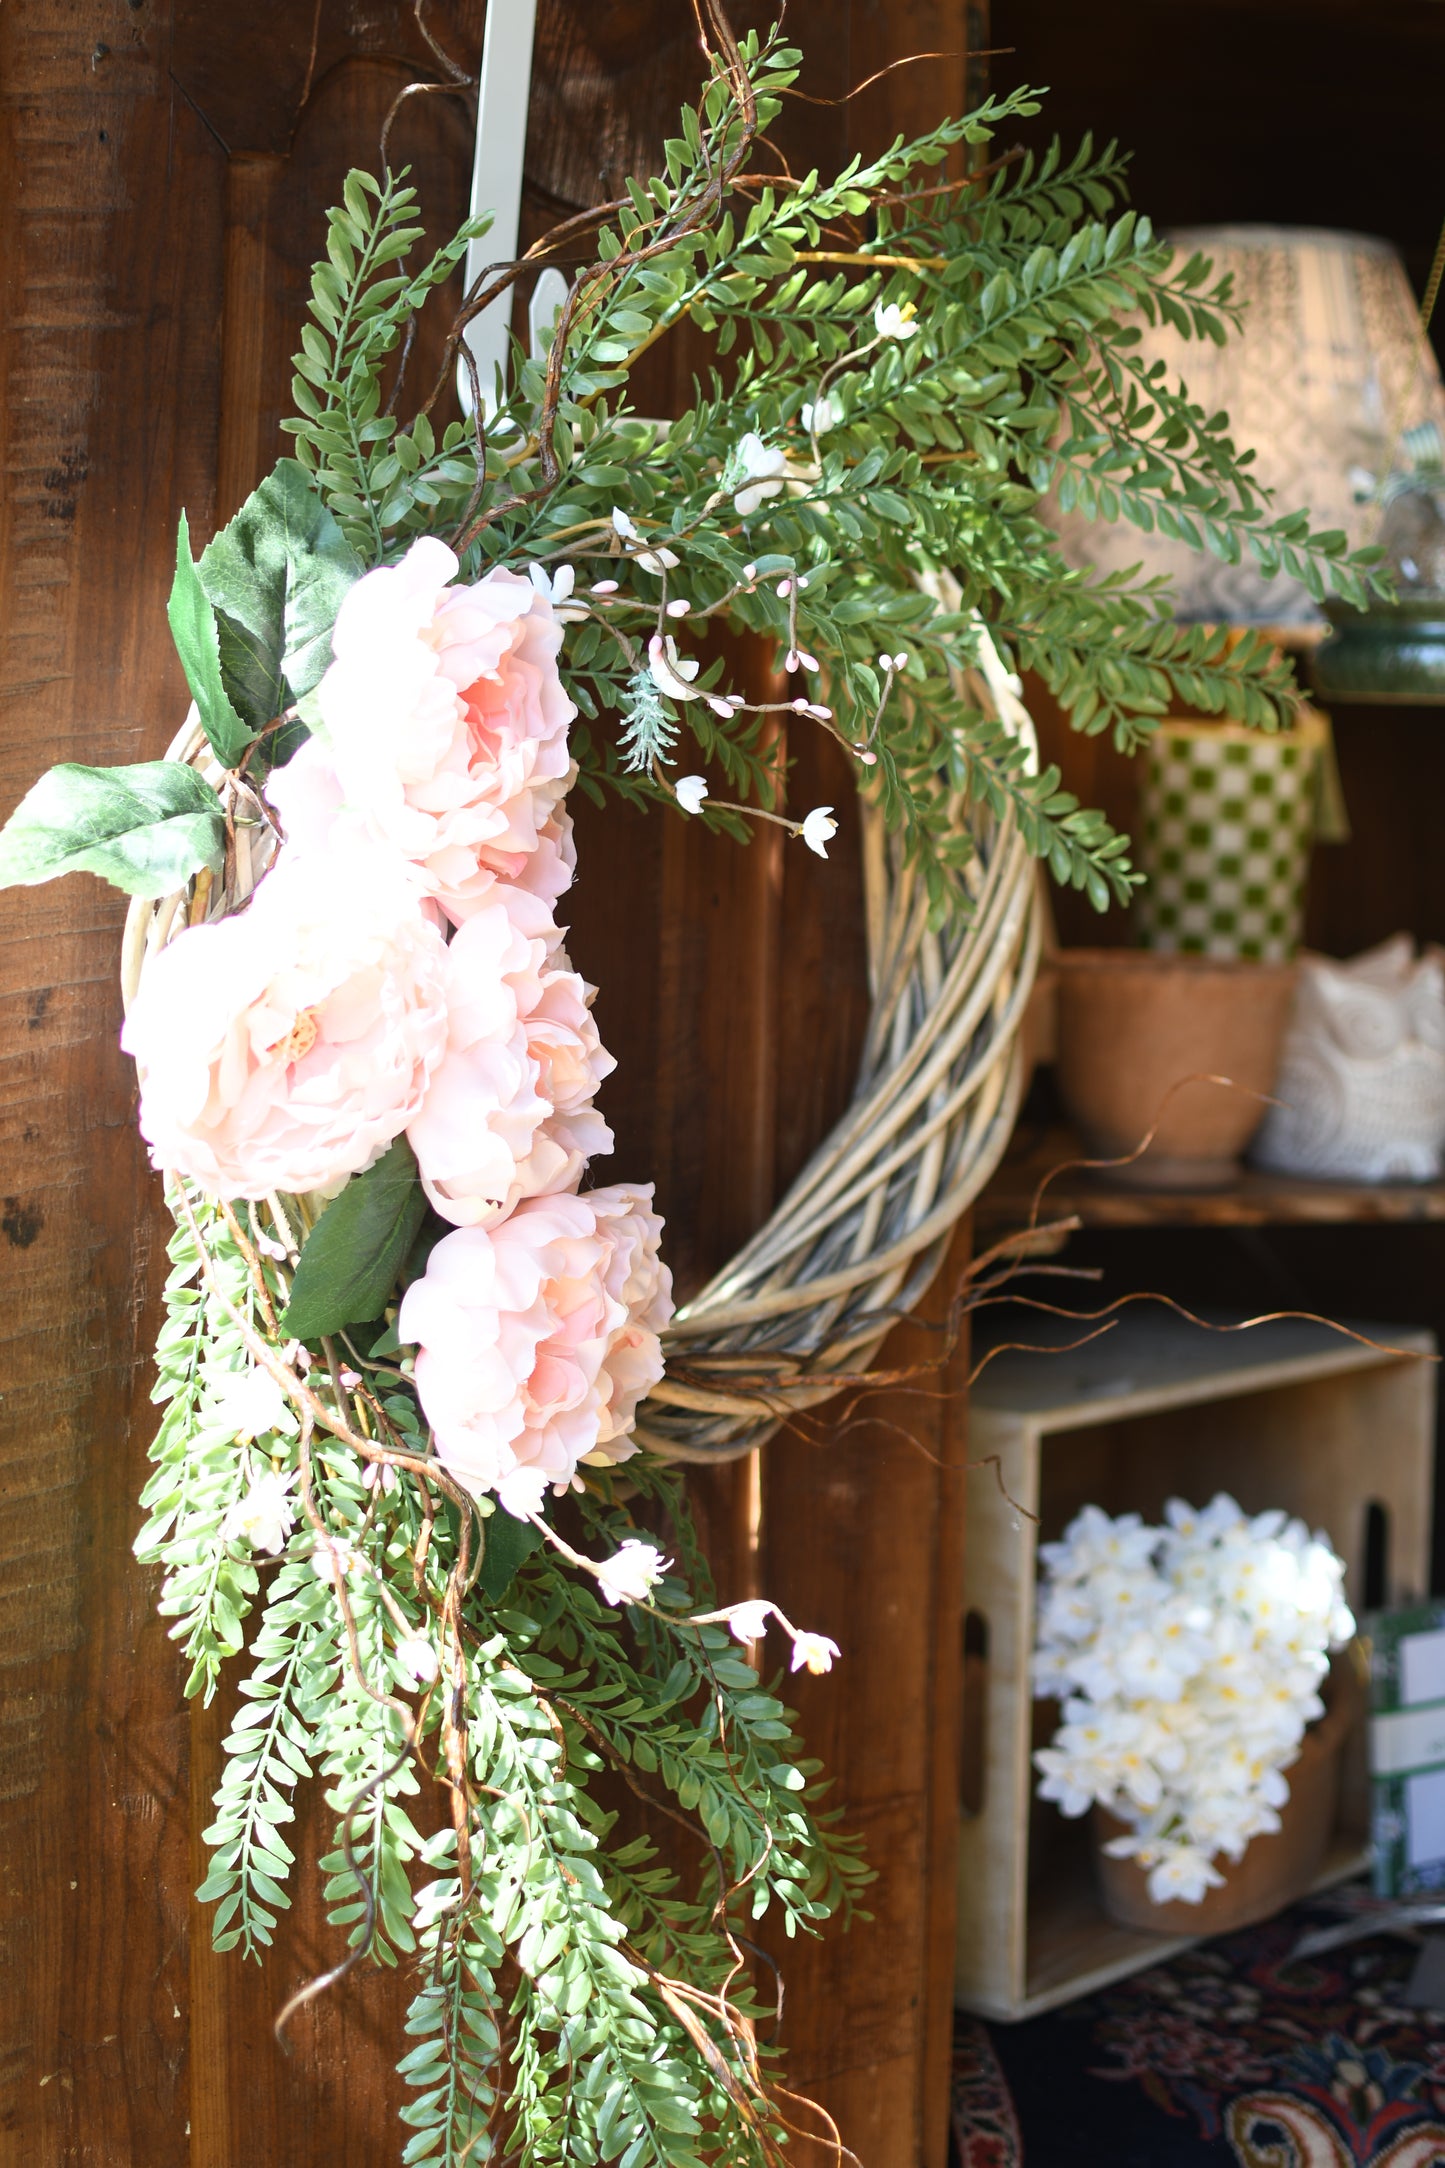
(108, 379)
(166, 170)
(862, 1527)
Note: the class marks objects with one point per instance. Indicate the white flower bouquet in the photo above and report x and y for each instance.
(1189, 1661)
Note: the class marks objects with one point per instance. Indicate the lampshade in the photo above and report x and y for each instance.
(1328, 368)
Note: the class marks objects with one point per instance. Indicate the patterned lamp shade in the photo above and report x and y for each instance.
(1328, 368)
(1228, 818)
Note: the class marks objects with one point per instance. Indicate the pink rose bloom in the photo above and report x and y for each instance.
(640, 1283)
(509, 1111)
(529, 1360)
(307, 794)
(285, 1048)
(445, 728)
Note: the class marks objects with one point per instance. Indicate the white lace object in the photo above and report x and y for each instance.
(1362, 1078)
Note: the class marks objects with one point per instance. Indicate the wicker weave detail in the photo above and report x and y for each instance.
(858, 1239)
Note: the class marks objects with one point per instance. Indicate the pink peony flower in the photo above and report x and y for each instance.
(529, 1359)
(509, 1111)
(445, 729)
(640, 1283)
(308, 795)
(285, 1048)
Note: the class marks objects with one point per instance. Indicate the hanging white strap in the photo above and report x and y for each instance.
(502, 102)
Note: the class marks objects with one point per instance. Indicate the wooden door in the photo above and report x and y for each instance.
(164, 166)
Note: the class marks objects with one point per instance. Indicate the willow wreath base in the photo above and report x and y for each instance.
(858, 1239)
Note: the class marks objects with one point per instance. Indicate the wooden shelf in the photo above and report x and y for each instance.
(1074, 1948)
(1254, 1200)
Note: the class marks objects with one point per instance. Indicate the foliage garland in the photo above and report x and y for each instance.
(913, 364)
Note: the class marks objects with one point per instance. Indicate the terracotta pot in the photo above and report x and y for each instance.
(1275, 1869)
(1133, 1023)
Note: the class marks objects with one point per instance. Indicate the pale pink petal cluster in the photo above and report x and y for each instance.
(639, 1283)
(526, 1355)
(286, 1047)
(509, 1111)
(444, 730)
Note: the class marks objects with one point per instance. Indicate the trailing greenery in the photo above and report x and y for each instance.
(200, 1476)
(1022, 374)
(569, 1988)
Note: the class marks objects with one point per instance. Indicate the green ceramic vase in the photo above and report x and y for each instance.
(1391, 656)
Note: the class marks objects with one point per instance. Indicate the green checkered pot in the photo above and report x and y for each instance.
(1228, 818)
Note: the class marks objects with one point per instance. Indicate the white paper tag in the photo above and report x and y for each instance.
(1407, 1739)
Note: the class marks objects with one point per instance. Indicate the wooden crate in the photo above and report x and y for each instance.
(1288, 1414)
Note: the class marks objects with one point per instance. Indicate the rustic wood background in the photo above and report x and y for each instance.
(164, 167)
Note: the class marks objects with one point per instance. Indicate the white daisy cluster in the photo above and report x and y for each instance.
(1188, 1660)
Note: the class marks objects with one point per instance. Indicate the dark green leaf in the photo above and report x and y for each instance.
(351, 1258)
(277, 574)
(197, 637)
(508, 1542)
(146, 829)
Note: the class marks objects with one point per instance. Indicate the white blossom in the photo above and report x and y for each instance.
(418, 1659)
(265, 1517)
(658, 560)
(250, 1404)
(689, 791)
(333, 1555)
(632, 1575)
(749, 1621)
(670, 672)
(815, 1651)
(556, 586)
(818, 416)
(894, 322)
(819, 828)
(1188, 1660)
(760, 468)
(1183, 1872)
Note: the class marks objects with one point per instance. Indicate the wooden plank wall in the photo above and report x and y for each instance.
(165, 166)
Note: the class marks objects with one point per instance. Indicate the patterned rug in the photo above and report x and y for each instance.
(1227, 2057)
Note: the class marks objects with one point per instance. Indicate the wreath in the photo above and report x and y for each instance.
(422, 1385)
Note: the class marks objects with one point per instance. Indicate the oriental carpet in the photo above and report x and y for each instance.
(1229, 2056)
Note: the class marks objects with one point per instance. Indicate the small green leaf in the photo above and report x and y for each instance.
(508, 1542)
(276, 575)
(197, 636)
(146, 829)
(352, 1256)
